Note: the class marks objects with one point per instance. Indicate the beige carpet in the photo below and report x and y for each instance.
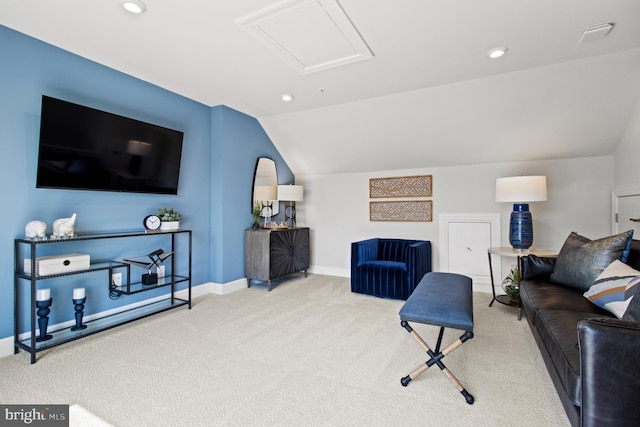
(308, 353)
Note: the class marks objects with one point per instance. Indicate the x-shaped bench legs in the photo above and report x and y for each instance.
(436, 359)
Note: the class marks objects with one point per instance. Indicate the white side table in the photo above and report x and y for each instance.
(509, 252)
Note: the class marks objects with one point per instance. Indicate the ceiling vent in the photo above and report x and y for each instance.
(596, 32)
(310, 35)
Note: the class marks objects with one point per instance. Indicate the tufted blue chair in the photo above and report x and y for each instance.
(389, 268)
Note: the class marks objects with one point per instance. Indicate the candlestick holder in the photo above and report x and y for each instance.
(79, 307)
(43, 318)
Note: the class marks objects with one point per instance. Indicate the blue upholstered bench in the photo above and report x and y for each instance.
(445, 300)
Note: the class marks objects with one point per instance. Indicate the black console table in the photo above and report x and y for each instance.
(25, 284)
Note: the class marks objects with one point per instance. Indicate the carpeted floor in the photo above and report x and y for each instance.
(308, 353)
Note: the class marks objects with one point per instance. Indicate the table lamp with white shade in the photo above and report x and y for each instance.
(521, 190)
(291, 194)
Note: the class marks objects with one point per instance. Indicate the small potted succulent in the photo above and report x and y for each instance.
(511, 285)
(256, 211)
(170, 219)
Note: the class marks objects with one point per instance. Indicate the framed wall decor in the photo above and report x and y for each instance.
(408, 210)
(401, 186)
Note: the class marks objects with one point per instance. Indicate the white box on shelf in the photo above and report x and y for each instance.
(57, 264)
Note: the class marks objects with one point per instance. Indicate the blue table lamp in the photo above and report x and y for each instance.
(520, 190)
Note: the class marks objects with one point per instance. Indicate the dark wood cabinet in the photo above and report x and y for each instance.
(272, 254)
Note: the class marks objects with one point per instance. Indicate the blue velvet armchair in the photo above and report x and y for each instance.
(389, 268)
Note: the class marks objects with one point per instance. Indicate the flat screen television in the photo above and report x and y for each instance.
(82, 148)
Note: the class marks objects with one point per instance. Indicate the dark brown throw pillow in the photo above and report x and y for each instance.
(581, 260)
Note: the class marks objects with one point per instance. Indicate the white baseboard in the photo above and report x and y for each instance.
(330, 271)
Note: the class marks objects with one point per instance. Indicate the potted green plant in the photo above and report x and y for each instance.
(170, 219)
(256, 211)
(511, 285)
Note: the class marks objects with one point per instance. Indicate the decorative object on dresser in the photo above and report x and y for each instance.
(266, 196)
(255, 213)
(292, 194)
(520, 190)
(272, 254)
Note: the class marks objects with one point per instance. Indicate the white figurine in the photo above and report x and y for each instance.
(35, 229)
(64, 226)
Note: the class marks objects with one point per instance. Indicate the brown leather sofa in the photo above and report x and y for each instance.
(593, 358)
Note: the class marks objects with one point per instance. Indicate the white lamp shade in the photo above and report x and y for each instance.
(265, 192)
(290, 193)
(521, 189)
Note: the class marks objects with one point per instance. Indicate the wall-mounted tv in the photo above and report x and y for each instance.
(82, 148)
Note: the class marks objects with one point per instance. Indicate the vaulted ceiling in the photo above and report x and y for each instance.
(377, 84)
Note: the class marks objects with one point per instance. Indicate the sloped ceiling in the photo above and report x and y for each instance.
(428, 97)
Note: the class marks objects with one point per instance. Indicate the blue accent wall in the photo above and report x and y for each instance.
(220, 149)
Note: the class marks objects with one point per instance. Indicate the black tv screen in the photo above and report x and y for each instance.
(82, 148)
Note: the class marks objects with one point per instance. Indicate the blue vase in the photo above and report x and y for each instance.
(521, 227)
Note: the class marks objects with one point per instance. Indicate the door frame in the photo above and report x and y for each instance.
(616, 194)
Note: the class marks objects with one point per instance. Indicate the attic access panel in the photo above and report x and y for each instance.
(310, 35)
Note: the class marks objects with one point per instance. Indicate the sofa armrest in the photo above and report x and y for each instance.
(418, 262)
(610, 372)
(363, 251)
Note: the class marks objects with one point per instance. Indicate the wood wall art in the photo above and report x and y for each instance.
(410, 210)
(401, 186)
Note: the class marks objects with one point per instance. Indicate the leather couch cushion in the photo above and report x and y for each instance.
(541, 295)
(559, 334)
(581, 260)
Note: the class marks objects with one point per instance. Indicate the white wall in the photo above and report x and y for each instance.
(626, 171)
(336, 207)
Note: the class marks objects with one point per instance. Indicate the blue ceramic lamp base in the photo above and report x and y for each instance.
(521, 227)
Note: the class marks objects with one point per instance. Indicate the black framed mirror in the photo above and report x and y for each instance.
(265, 184)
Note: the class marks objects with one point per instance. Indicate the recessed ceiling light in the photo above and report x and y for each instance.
(287, 97)
(134, 6)
(497, 52)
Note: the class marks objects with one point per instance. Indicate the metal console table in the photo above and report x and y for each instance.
(29, 248)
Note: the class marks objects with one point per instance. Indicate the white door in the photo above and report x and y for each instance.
(468, 244)
(626, 211)
(464, 240)
(628, 215)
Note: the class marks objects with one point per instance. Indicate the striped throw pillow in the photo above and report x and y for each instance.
(614, 288)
